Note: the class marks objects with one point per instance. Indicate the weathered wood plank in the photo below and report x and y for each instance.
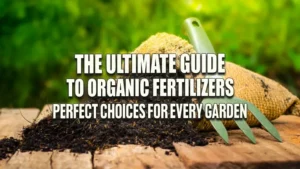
(30, 160)
(3, 163)
(69, 160)
(133, 156)
(46, 111)
(289, 128)
(235, 156)
(12, 121)
(241, 153)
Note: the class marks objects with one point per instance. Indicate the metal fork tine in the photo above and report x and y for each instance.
(262, 119)
(217, 124)
(220, 128)
(242, 124)
(257, 114)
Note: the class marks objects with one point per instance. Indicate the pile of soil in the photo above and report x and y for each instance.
(8, 146)
(90, 135)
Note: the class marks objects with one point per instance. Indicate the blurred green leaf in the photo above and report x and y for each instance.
(38, 39)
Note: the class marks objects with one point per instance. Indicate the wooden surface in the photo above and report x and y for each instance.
(12, 121)
(133, 156)
(240, 153)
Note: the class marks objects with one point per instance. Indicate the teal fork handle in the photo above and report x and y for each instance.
(197, 36)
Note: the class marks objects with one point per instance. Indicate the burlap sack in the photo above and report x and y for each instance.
(268, 96)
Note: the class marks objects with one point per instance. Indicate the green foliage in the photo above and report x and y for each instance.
(38, 39)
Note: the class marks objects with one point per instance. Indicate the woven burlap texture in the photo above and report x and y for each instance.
(268, 96)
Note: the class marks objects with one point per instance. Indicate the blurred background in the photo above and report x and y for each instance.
(38, 39)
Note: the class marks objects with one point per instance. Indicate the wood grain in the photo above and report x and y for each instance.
(133, 156)
(68, 160)
(3, 163)
(241, 153)
(30, 160)
(46, 111)
(289, 128)
(12, 121)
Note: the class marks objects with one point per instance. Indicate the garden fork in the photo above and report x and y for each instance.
(202, 44)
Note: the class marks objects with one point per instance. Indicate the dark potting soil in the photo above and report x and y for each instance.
(8, 146)
(89, 135)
